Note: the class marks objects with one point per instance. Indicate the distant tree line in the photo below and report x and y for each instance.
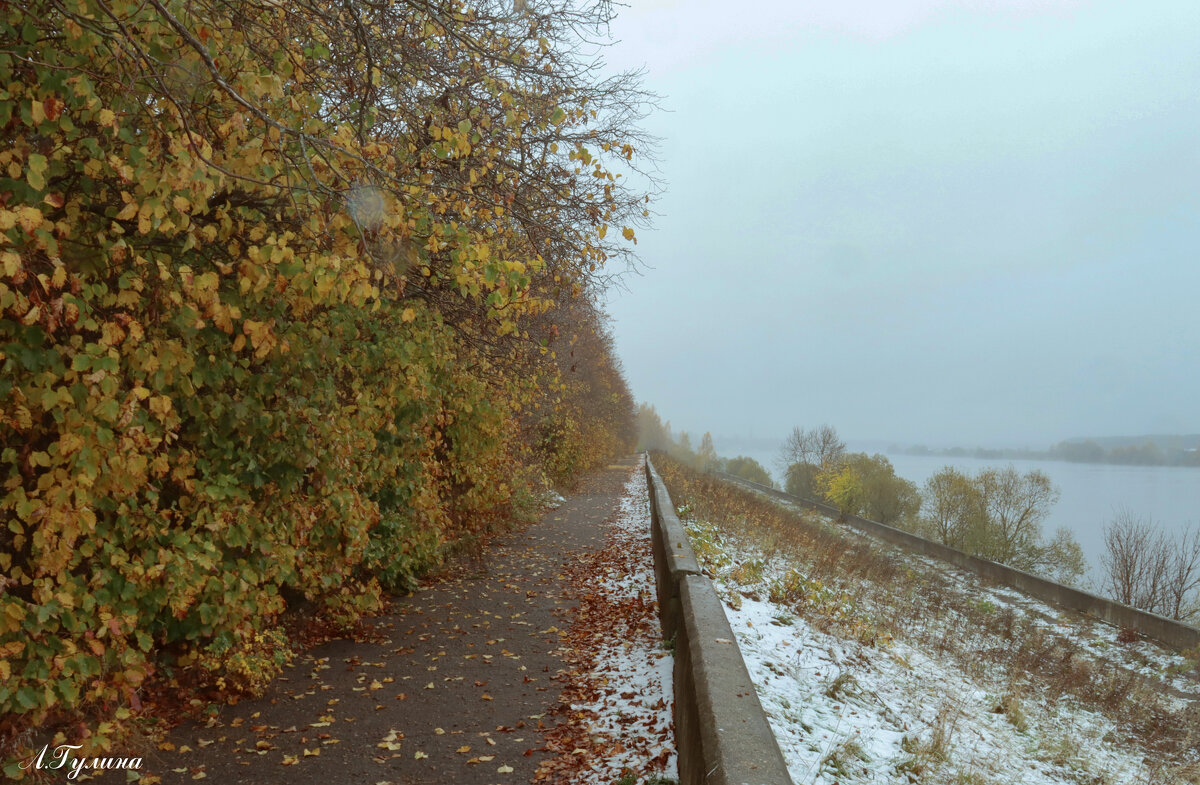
(654, 434)
(1175, 451)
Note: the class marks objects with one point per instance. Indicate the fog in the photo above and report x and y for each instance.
(938, 222)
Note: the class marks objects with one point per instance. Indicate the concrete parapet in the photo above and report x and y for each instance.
(673, 554)
(721, 731)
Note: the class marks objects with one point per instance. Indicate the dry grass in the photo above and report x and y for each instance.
(846, 583)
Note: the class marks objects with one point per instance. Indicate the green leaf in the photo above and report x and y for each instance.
(109, 410)
(27, 697)
(69, 691)
(36, 176)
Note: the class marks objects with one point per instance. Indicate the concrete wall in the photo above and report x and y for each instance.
(721, 730)
(1172, 633)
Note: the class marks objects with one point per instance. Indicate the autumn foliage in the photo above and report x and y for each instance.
(288, 299)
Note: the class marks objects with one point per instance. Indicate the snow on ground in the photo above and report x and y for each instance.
(851, 704)
(621, 694)
(843, 712)
(1145, 658)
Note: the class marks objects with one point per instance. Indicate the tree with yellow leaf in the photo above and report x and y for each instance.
(842, 487)
(274, 295)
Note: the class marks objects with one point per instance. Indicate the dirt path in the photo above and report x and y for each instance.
(454, 695)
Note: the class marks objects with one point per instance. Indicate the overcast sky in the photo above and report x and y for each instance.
(920, 220)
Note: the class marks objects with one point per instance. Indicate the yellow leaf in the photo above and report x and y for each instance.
(128, 211)
(107, 117)
(312, 753)
(256, 330)
(30, 218)
(160, 405)
(12, 263)
(463, 748)
(627, 233)
(38, 110)
(505, 770)
(420, 755)
(407, 316)
(70, 443)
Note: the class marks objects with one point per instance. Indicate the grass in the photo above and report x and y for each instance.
(849, 585)
(842, 685)
(1012, 707)
(844, 759)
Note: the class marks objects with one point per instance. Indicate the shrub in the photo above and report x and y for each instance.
(261, 341)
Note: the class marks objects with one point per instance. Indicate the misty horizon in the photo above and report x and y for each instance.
(939, 222)
(860, 444)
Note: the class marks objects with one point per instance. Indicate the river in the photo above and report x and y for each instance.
(1091, 493)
